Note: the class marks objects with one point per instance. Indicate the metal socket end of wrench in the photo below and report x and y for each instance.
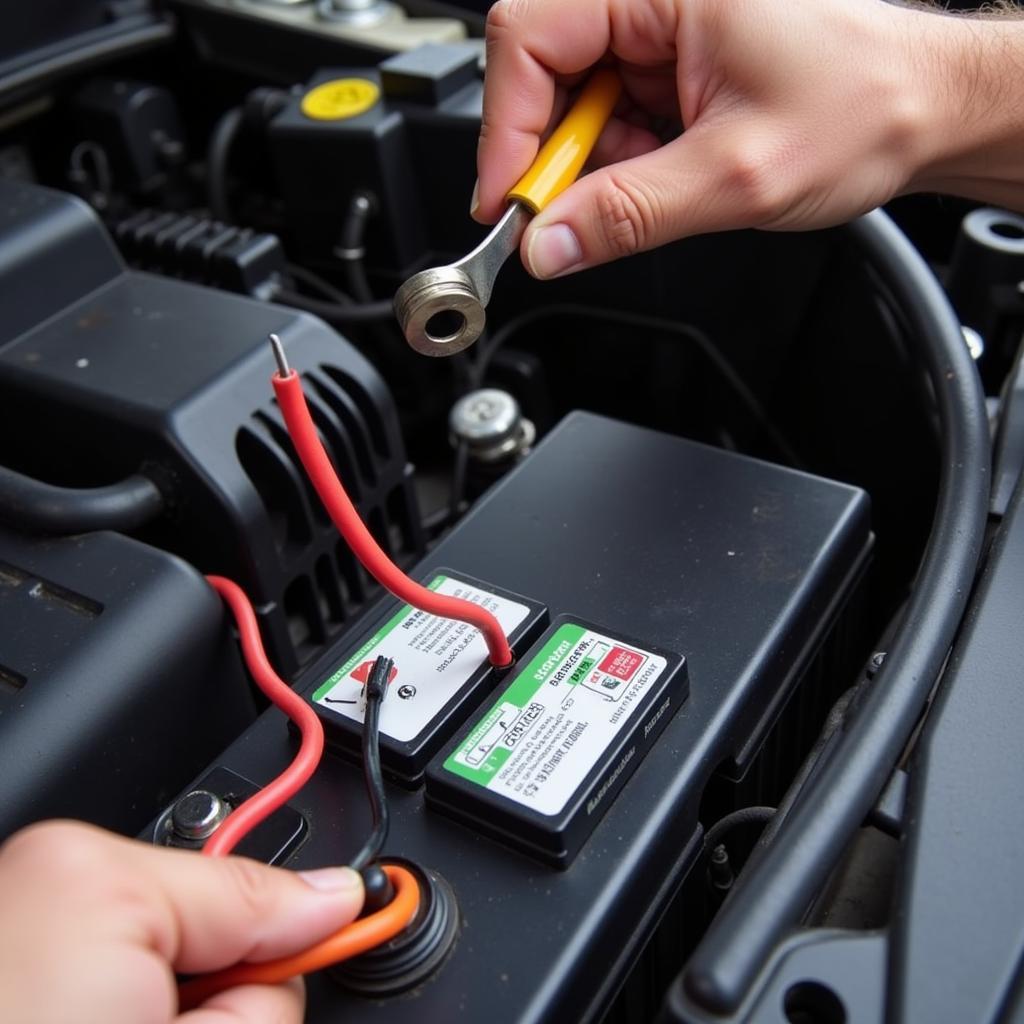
(442, 310)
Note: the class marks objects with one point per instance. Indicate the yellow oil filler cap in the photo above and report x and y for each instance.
(340, 98)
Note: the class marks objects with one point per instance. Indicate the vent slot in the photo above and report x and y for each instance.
(305, 627)
(332, 599)
(274, 479)
(366, 405)
(404, 535)
(11, 576)
(53, 593)
(10, 681)
(336, 444)
(275, 427)
(352, 422)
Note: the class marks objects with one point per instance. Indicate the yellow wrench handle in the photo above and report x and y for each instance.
(562, 157)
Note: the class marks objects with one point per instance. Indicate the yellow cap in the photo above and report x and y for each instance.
(340, 98)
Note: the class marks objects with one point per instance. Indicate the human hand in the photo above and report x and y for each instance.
(796, 115)
(93, 928)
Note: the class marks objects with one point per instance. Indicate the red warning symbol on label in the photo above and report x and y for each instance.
(361, 673)
(621, 663)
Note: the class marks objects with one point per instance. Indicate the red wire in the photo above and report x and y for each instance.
(248, 815)
(360, 540)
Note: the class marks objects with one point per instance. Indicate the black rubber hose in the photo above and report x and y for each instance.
(217, 154)
(352, 247)
(736, 819)
(37, 507)
(87, 50)
(334, 313)
(780, 879)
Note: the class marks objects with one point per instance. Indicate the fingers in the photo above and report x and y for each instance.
(534, 44)
(220, 912)
(702, 181)
(252, 1004)
(199, 914)
(528, 44)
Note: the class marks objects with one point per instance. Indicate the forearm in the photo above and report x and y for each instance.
(973, 69)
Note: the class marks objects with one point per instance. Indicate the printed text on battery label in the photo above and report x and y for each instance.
(556, 719)
(434, 658)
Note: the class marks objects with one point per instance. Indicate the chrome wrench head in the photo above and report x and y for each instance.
(442, 310)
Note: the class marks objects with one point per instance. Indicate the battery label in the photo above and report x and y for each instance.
(555, 720)
(434, 657)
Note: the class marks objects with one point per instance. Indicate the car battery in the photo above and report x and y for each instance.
(730, 579)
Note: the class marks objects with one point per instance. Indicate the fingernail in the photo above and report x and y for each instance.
(474, 201)
(331, 879)
(553, 250)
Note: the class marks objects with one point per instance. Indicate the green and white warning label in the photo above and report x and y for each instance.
(433, 658)
(557, 718)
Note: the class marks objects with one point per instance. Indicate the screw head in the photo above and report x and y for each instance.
(197, 815)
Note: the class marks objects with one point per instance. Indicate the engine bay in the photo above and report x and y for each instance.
(728, 501)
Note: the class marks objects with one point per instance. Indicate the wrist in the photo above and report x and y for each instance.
(965, 70)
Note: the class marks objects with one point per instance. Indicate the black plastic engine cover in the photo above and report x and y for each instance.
(118, 679)
(105, 371)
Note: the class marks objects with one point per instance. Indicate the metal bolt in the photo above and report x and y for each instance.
(197, 815)
(490, 422)
(875, 663)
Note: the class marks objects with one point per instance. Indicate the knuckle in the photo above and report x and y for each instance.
(628, 215)
(754, 178)
(503, 16)
(252, 884)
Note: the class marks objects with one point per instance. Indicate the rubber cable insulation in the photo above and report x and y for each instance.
(343, 513)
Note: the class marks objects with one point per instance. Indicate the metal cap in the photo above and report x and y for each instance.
(198, 814)
(490, 422)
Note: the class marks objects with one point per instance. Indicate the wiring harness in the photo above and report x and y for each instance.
(399, 884)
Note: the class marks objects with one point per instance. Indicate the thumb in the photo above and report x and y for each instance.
(229, 910)
(700, 182)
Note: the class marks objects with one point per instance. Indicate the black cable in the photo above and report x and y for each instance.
(458, 482)
(376, 691)
(221, 140)
(652, 323)
(744, 816)
(318, 284)
(38, 507)
(333, 312)
(352, 246)
(781, 879)
(84, 51)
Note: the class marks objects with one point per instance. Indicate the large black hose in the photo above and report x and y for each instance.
(780, 879)
(225, 131)
(36, 507)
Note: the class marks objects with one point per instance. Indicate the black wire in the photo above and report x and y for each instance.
(318, 284)
(352, 246)
(781, 878)
(744, 816)
(652, 323)
(39, 507)
(376, 690)
(217, 154)
(458, 482)
(91, 50)
(335, 313)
